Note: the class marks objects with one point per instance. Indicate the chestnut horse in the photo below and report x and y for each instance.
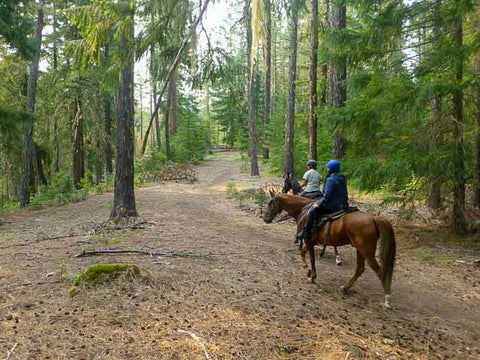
(291, 183)
(358, 229)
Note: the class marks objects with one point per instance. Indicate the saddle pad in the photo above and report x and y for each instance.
(320, 222)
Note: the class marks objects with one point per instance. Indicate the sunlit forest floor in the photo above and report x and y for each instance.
(251, 302)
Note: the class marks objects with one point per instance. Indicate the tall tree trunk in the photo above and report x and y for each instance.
(108, 135)
(434, 200)
(107, 103)
(313, 79)
(174, 103)
(459, 224)
(56, 146)
(292, 74)
(78, 164)
(141, 111)
(38, 165)
(31, 95)
(338, 76)
(252, 132)
(124, 194)
(476, 131)
(167, 130)
(268, 78)
(154, 97)
(323, 99)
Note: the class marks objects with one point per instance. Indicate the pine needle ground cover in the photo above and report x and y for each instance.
(251, 302)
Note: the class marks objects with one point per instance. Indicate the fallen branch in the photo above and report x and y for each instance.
(143, 252)
(29, 283)
(198, 340)
(10, 352)
(46, 238)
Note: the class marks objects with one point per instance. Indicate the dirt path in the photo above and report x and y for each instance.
(252, 303)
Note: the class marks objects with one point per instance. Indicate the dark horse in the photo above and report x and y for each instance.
(358, 229)
(291, 183)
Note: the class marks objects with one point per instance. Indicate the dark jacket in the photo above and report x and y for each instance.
(335, 194)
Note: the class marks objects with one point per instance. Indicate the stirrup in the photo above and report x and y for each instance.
(300, 236)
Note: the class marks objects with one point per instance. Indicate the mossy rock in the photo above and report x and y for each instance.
(103, 272)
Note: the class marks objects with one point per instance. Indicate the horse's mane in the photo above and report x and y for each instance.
(300, 199)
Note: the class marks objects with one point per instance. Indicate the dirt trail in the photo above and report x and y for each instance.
(253, 302)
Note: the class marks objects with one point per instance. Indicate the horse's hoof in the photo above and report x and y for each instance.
(311, 280)
(387, 302)
(343, 292)
(338, 260)
(309, 273)
(305, 266)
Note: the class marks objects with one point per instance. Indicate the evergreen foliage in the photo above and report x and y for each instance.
(407, 66)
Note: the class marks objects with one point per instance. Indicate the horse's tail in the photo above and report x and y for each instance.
(387, 250)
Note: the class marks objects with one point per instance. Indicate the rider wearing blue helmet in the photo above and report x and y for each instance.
(335, 195)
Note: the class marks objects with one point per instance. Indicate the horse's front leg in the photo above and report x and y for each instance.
(312, 274)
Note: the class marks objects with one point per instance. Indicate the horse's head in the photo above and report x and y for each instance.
(291, 183)
(287, 184)
(273, 208)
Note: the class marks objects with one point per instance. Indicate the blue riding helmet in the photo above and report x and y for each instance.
(333, 166)
(312, 163)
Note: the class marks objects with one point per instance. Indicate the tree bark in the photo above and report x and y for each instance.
(292, 74)
(313, 79)
(268, 78)
(78, 164)
(434, 200)
(476, 131)
(107, 101)
(56, 146)
(124, 194)
(338, 76)
(108, 135)
(174, 103)
(154, 97)
(31, 97)
(252, 132)
(459, 224)
(167, 130)
(38, 165)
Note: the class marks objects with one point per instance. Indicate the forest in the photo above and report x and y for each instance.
(145, 151)
(94, 94)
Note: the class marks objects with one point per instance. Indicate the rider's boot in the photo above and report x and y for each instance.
(302, 235)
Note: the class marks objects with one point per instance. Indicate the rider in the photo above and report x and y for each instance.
(335, 196)
(311, 181)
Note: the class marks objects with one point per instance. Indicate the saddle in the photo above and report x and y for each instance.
(312, 195)
(319, 223)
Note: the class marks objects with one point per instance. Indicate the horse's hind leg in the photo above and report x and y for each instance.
(358, 271)
(338, 259)
(303, 253)
(376, 267)
(312, 273)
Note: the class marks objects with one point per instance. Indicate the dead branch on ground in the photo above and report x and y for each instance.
(10, 352)
(198, 340)
(143, 252)
(30, 283)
